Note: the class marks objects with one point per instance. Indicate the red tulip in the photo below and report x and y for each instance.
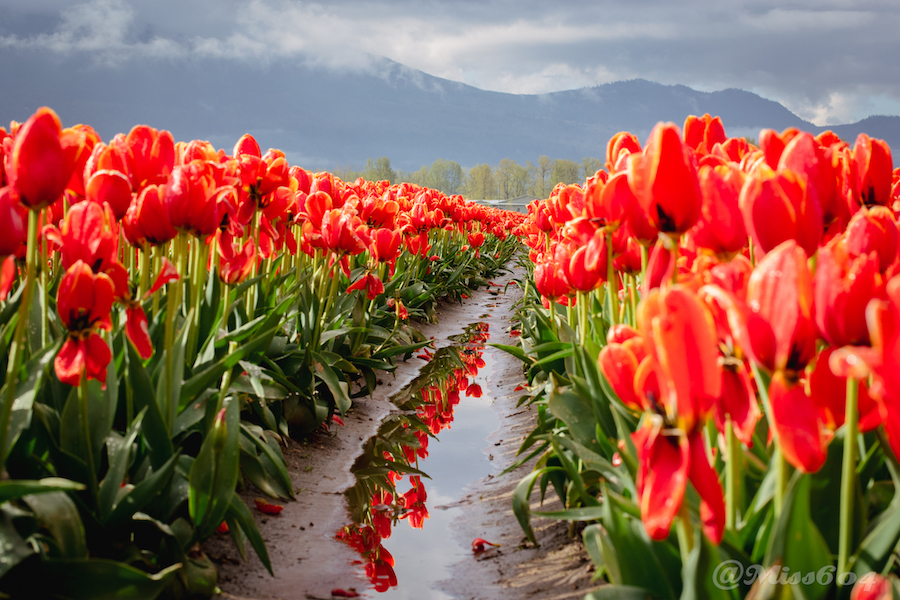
(782, 333)
(872, 586)
(679, 335)
(190, 199)
(369, 282)
(805, 156)
(619, 146)
(664, 181)
(147, 221)
(843, 287)
(84, 301)
(874, 169)
(42, 159)
(667, 461)
(702, 133)
(14, 217)
(720, 227)
(873, 229)
(235, 266)
(550, 280)
(150, 155)
(779, 206)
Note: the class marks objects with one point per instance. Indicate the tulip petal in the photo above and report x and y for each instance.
(138, 332)
(662, 477)
(794, 418)
(706, 482)
(69, 363)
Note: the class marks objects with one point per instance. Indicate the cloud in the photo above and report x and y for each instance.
(823, 59)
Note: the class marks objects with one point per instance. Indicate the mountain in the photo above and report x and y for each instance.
(324, 118)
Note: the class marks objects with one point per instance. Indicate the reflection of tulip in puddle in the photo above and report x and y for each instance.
(390, 487)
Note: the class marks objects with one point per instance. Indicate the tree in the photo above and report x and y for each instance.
(480, 183)
(445, 175)
(589, 166)
(564, 171)
(379, 170)
(542, 186)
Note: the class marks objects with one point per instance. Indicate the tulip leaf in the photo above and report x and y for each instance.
(632, 558)
(591, 536)
(703, 573)
(521, 500)
(875, 550)
(274, 462)
(239, 515)
(584, 513)
(515, 351)
(15, 550)
(58, 514)
(118, 466)
(577, 413)
(796, 543)
(26, 390)
(395, 350)
(214, 473)
(16, 488)
(154, 430)
(620, 592)
(102, 579)
(144, 492)
(338, 388)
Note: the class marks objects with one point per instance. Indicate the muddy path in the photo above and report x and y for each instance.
(309, 563)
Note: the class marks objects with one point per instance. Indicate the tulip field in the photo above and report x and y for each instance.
(169, 315)
(710, 336)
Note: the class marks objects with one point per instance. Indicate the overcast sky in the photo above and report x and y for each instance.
(829, 61)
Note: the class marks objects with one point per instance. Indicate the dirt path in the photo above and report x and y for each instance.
(309, 563)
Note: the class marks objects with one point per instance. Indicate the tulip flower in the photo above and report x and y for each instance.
(42, 159)
(369, 282)
(620, 145)
(703, 133)
(843, 288)
(720, 227)
(84, 302)
(146, 222)
(779, 206)
(664, 181)
(804, 155)
(874, 169)
(150, 155)
(873, 230)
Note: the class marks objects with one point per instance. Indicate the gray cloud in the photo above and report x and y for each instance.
(827, 60)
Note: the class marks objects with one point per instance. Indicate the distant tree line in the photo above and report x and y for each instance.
(506, 180)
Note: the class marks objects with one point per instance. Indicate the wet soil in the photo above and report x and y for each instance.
(310, 564)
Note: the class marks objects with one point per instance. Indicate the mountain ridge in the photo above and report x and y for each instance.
(324, 118)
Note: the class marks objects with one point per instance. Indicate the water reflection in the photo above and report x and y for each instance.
(390, 461)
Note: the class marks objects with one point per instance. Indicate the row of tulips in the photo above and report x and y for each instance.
(170, 314)
(712, 337)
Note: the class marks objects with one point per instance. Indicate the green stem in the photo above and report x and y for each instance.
(732, 477)
(45, 292)
(17, 346)
(781, 480)
(198, 282)
(632, 280)
(685, 532)
(86, 431)
(848, 476)
(232, 346)
(582, 317)
(553, 327)
(612, 282)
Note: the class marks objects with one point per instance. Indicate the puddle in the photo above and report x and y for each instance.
(417, 462)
